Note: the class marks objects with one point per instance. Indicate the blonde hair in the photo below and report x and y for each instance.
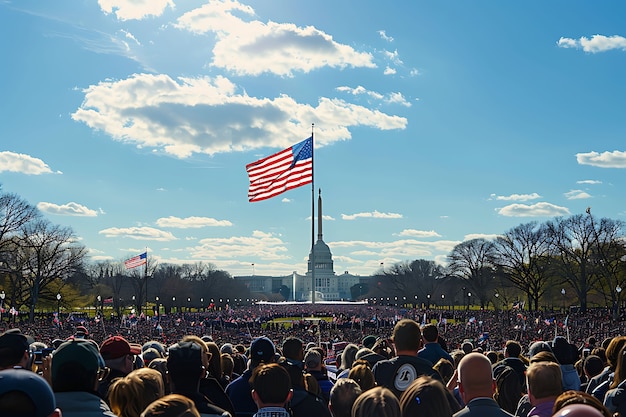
(129, 395)
(172, 405)
(203, 345)
(376, 402)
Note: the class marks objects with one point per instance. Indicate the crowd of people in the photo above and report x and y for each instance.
(318, 361)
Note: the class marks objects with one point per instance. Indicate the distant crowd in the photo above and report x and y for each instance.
(316, 361)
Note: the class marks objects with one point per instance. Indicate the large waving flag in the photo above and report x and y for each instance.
(287, 169)
(136, 261)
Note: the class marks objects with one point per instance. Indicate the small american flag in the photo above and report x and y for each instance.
(285, 170)
(136, 261)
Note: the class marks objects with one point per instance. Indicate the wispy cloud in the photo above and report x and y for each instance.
(615, 159)
(24, 164)
(577, 195)
(515, 197)
(371, 215)
(384, 36)
(391, 98)
(418, 233)
(138, 233)
(597, 43)
(591, 182)
(69, 209)
(135, 9)
(191, 222)
(535, 210)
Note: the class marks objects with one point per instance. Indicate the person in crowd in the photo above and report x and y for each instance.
(544, 383)
(573, 397)
(304, 402)
(185, 369)
(567, 354)
(524, 405)
(476, 386)
(445, 369)
(427, 397)
(342, 397)
(347, 359)
(271, 390)
(228, 366)
(130, 395)
(432, 350)
(512, 353)
(400, 371)
(592, 367)
(14, 350)
(509, 390)
(215, 364)
(313, 366)
(361, 373)
(377, 402)
(160, 365)
(119, 357)
(606, 376)
(615, 397)
(262, 351)
(578, 410)
(77, 368)
(25, 394)
(171, 405)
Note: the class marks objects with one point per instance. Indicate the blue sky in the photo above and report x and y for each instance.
(435, 122)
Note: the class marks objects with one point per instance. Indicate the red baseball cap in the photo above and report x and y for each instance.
(116, 347)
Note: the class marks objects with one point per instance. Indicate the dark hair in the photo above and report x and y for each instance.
(445, 369)
(72, 376)
(427, 397)
(508, 389)
(342, 395)
(292, 348)
(272, 383)
(407, 335)
(361, 372)
(578, 397)
(513, 348)
(430, 332)
(377, 402)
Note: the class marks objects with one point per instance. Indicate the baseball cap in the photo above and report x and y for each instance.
(14, 342)
(116, 346)
(262, 349)
(33, 386)
(184, 356)
(154, 345)
(368, 341)
(79, 351)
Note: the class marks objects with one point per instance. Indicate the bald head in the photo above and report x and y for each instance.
(475, 377)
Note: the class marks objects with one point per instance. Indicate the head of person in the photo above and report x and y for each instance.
(467, 347)
(572, 397)
(430, 333)
(227, 365)
(445, 369)
(538, 346)
(348, 355)
(508, 389)
(77, 366)
(14, 349)
(578, 410)
(130, 395)
(426, 397)
(512, 349)
(160, 365)
(342, 396)
(185, 365)
(293, 348)
(407, 336)
(215, 360)
(543, 356)
(26, 394)
(544, 381)
(613, 349)
(368, 341)
(313, 360)
(154, 344)
(475, 377)
(593, 366)
(565, 352)
(206, 353)
(377, 402)
(362, 374)
(118, 354)
(262, 351)
(271, 386)
(172, 405)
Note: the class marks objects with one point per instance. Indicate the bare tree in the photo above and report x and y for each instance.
(49, 252)
(473, 261)
(523, 255)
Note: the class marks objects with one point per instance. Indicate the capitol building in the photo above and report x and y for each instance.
(296, 287)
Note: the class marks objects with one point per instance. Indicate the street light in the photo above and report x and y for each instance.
(428, 296)
(469, 295)
(617, 304)
(443, 297)
(497, 299)
(563, 294)
(59, 305)
(2, 296)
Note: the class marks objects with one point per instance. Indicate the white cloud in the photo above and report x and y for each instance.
(597, 43)
(389, 71)
(260, 245)
(480, 236)
(390, 98)
(577, 195)
(254, 47)
(419, 233)
(138, 233)
(393, 57)
(399, 249)
(615, 159)
(536, 210)
(207, 115)
(384, 36)
(285, 200)
(191, 222)
(69, 209)
(22, 163)
(375, 215)
(515, 197)
(589, 182)
(134, 9)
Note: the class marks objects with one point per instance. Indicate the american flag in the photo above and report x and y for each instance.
(287, 169)
(136, 261)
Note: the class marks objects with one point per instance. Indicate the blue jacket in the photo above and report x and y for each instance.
(432, 352)
(240, 393)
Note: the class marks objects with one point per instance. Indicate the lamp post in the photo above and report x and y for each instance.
(202, 304)
(98, 299)
(495, 306)
(618, 289)
(469, 296)
(428, 296)
(2, 297)
(158, 313)
(59, 306)
(563, 298)
(189, 304)
(443, 297)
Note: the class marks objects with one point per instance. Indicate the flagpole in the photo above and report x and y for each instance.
(145, 276)
(312, 216)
